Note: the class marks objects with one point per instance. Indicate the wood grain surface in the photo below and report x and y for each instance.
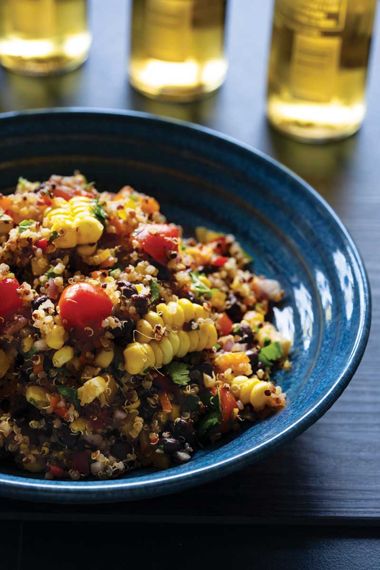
(331, 473)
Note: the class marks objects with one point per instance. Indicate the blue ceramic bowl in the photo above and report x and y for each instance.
(202, 178)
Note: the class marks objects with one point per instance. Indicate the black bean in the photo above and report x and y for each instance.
(253, 356)
(5, 405)
(140, 303)
(163, 273)
(66, 437)
(196, 375)
(37, 302)
(120, 449)
(126, 289)
(208, 269)
(170, 444)
(124, 333)
(233, 308)
(206, 368)
(183, 429)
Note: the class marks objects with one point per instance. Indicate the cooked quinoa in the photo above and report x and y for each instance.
(122, 343)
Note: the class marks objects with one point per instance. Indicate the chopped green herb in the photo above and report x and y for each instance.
(198, 286)
(50, 273)
(69, 394)
(179, 373)
(155, 290)
(270, 353)
(99, 212)
(217, 346)
(24, 225)
(53, 236)
(212, 419)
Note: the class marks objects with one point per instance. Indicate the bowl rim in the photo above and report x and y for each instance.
(124, 489)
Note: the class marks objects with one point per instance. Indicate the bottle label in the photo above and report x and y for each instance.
(315, 55)
(314, 66)
(323, 15)
(170, 26)
(168, 29)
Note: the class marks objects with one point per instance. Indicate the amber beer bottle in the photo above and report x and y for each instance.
(38, 37)
(177, 48)
(318, 67)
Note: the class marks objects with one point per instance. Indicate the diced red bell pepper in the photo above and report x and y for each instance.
(158, 240)
(219, 261)
(10, 300)
(56, 470)
(227, 404)
(42, 243)
(166, 404)
(224, 324)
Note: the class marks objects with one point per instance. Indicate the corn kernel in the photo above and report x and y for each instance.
(62, 356)
(26, 344)
(104, 358)
(38, 397)
(79, 426)
(91, 390)
(56, 337)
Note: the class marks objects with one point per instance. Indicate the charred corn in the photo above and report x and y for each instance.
(74, 221)
(140, 356)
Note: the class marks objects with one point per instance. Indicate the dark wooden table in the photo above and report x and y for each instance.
(329, 477)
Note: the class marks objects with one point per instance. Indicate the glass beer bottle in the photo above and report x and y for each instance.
(177, 48)
(318, 67)
(39, 37)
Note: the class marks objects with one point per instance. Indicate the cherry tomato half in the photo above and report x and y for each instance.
(9, 298)
(84, 305)
(158, 241)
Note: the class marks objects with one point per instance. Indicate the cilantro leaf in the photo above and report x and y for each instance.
(212, 419)
(270, 353)
(99, 212)
(198, 287)
(155, 290)
(178, 372)
(69, 394)
(24, 225)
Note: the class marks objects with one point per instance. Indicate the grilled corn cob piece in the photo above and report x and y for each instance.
(139, 356)
(172, 315)
(258, 393)
(75, 222)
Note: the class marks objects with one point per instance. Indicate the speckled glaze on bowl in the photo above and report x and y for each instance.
(202, 178)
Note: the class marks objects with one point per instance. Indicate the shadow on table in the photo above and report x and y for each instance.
(324, 166)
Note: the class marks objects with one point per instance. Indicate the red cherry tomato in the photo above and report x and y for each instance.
(56, 470)
(84, 305)
(227, 403)
(9, 298)
(42, 243)
(67, 193)
(224, 324)
(158, 241)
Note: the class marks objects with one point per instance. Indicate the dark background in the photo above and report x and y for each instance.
(316, 503)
